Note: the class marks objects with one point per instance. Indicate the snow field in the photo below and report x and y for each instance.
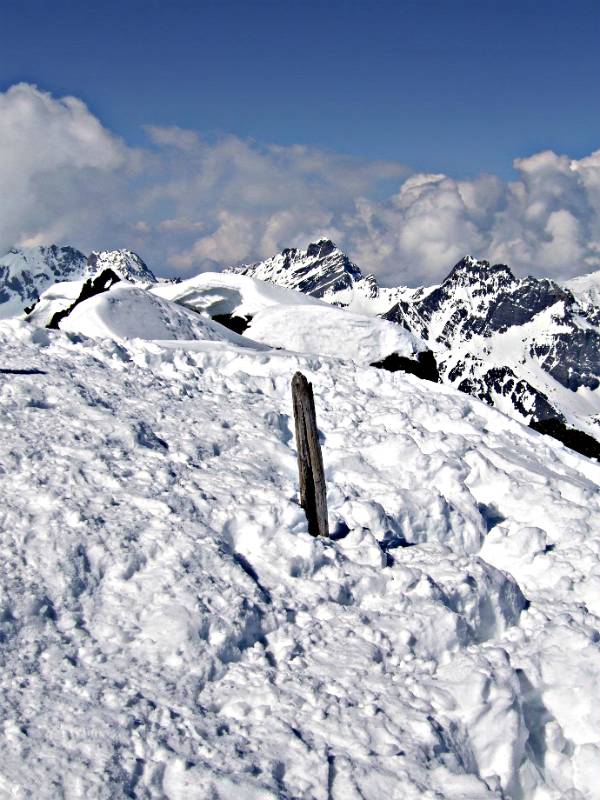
(168, 628)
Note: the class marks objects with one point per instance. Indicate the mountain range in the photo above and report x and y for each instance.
(528, 346)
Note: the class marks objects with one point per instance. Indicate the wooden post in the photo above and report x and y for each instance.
(313, 492)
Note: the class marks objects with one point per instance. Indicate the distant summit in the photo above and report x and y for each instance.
(127, 264)
(322, 270)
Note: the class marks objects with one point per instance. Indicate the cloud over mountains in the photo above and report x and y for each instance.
(189, 204)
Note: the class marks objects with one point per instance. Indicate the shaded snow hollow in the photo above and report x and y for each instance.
(168, 628)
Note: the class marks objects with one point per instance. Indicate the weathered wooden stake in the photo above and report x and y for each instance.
(313, 492)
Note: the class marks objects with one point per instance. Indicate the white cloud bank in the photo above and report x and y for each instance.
(187, 204)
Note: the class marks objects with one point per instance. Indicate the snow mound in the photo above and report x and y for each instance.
(129, 312)
(58, 297)
(216, 293)
(331, 331)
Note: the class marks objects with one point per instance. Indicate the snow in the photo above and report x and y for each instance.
(586, 288)
(290, 320)
(332, 332)
(216, 293)
(129, 312)
(169, 629)
(58, 297)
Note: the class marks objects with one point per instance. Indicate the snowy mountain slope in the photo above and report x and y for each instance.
(524, 345)
(26, 273)
(586, 288)
(325, 272)
(527, 346)
(169, 628)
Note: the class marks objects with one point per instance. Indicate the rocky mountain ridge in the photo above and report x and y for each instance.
(528, 346)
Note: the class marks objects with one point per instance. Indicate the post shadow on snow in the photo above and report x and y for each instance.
(536, 716)
(33, 371)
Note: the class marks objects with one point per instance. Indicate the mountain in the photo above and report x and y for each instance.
(26, 273)
(323, 271)
(528, 346)
(127, 264)
(586, 288)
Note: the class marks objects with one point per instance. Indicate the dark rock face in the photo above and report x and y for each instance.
(425, 367)
(502, 382)
(487, 298)
(235, 324)
(90, 288)
(572, 358)
(576, 440)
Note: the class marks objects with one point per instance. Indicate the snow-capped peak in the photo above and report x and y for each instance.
(322, 270)
(125, 263)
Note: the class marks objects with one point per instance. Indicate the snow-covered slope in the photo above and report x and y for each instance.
(287, 319)
(524, 345)
(168, 628)
(586, 288)
(130, 312)
(528, 346)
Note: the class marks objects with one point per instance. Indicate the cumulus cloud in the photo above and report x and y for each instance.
(57, 165)
(187, 203)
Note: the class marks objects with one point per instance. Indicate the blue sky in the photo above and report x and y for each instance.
(461, 86)
(206, 134)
